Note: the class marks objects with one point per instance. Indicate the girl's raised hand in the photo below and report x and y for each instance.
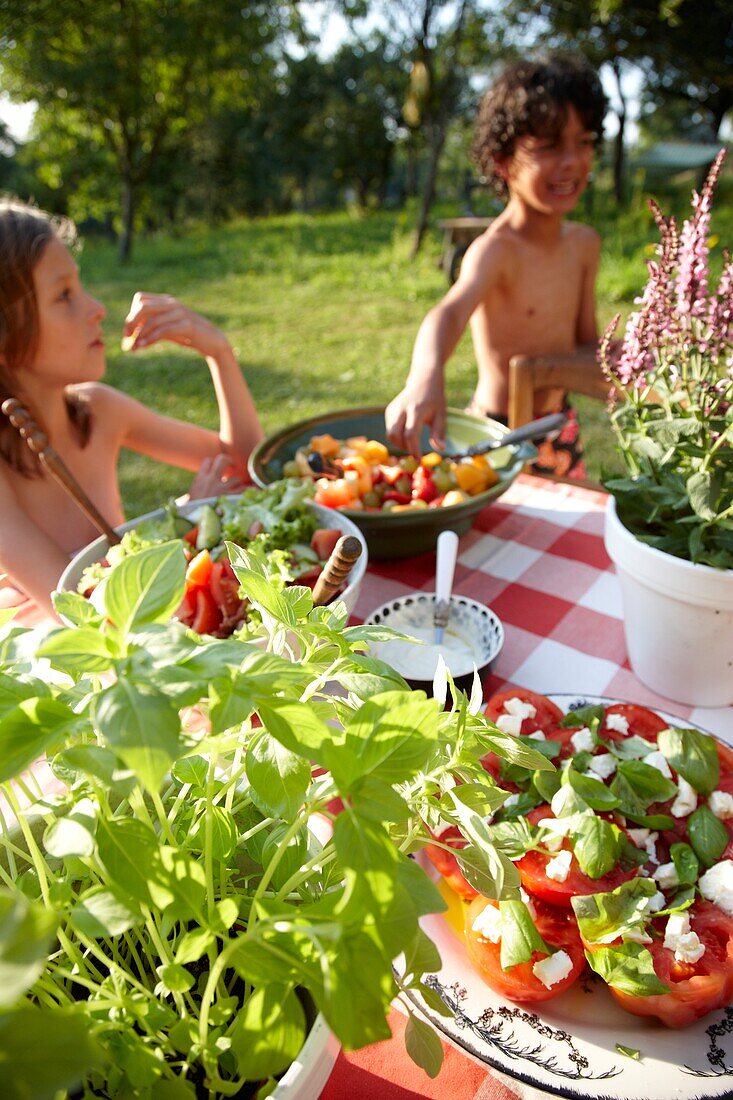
(154, 317)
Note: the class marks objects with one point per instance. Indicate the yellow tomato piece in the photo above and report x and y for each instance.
(430, 460)
(375, 452)
(454, 496)
(325, 445)
(468, 477)
(359, 465)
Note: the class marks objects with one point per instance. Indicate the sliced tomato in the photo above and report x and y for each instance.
(224, 587)
(446, 864)
(548, 714)
(324, 540)
(532, 871)
(695, 988)
(519, 983)
(207, 616)
(191, 536)
(187, 608)
(199, 569)
(333, 494)
(642, 722)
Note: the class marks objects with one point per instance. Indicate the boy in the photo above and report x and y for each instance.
(527, 283)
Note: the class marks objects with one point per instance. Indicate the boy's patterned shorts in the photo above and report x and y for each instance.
(560, 454)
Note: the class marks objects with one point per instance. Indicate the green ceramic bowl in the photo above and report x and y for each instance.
(398, 535)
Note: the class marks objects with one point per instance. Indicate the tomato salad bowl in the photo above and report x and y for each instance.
(614, 925)
(292, 533)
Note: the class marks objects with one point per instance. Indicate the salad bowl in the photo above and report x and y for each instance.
(398, 535)
(97, 550)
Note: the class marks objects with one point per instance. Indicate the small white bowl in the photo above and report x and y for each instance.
(474, 636)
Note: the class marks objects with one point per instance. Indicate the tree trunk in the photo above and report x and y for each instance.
(128, 218)
(428, 195)
(619, 153)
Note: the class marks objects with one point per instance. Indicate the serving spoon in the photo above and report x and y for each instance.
(445, 565)
(535, 428)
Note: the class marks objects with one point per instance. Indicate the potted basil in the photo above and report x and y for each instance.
(196, 888)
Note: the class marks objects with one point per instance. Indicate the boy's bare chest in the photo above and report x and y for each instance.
(543, 290)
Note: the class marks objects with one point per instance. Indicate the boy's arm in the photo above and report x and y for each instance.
(31, 559)
(586, 332)
(155, 317)
(422, 401)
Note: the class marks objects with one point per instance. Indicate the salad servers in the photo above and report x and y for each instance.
(52, 461)
(546, 424)
(445, 566)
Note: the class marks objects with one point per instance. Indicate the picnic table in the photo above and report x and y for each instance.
(536, 557)
(457, 236)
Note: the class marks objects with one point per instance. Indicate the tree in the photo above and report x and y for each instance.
(133, 75)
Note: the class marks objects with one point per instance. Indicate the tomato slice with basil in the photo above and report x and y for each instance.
(532, 869)
(547, 716)
(224, 587)
(519, 983)
(642, 722)
(694, 988)
(446, 864)
(207, 616)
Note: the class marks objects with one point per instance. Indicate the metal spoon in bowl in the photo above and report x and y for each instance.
(534, 429)
(445, 566)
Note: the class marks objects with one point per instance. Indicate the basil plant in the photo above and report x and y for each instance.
(222, 844)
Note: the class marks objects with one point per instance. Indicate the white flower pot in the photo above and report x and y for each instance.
(305, 1078)
(678, 619)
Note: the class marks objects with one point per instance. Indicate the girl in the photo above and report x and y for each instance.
(52, 358)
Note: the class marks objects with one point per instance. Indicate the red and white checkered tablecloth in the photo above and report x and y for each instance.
(536, 557)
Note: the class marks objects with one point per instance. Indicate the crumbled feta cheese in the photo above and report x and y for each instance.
(651, 847)
(637, 935)
(666, 876)
(617, 722)
(520, 708)
(659, 761)
(553, 969)
(686, 800)
(559, 866)
(655, 902)
(538, 735)
(679, 937)
(488, 924)
(638, 836)
(603, 765)
(509, 723)
(527, 901)
(582, 740)
(721, 804)
(716, 885)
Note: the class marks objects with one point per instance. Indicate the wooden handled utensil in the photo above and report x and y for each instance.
(51, 460)
(346, 551)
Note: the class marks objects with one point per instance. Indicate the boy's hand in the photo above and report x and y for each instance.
(405, 416)
(218, 475)
(154, 317)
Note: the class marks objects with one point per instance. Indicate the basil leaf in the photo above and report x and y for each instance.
(519, 936)
(629, 968)
(708, 836)
(598, 847)
(581, 761)
(631, 748)
(630, 1052)
(604, 917)
(593, 791)
(547, 784)
(651, 821)
(685, 864)
(693, 755)
(524, 802)
(549, 749)
(584, 716)
(683, 899)
(647, 782)
(513, 838)
(630, 856)
(488, 870)
(567, 801)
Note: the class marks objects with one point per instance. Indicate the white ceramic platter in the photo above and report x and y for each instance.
(568, 1046)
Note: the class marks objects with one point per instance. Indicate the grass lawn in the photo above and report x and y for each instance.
(322, 312)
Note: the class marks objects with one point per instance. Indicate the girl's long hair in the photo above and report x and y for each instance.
(25, 232)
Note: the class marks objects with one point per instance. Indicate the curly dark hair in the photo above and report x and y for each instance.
(532, 97)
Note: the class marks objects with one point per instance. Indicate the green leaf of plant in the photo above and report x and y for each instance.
(421, 956)
(69, 1053)
(219, 824)
(193, 945)
(593, 791)
(76, 609)
(629, 968)
(279, 777)
(129, 850)
(597, 848)
(73, 833)
(142, 727)
(97, 762)
(378, 800)
(390, 736)
(700, 492)
(298, 726)
(707, 835)
(27, 731)
(81, 649)
(14, 691)
(268, 1032)
(693, 755)
(175, 978)
(604, 917)
(519, 936)
(146, 587)
(26, 932)
(647, 783)
(99, 914)
(423, 1045)
(685, 864)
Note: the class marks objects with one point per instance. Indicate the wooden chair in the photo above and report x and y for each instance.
(530, 375)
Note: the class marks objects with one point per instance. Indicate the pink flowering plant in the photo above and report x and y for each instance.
(673, 406)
